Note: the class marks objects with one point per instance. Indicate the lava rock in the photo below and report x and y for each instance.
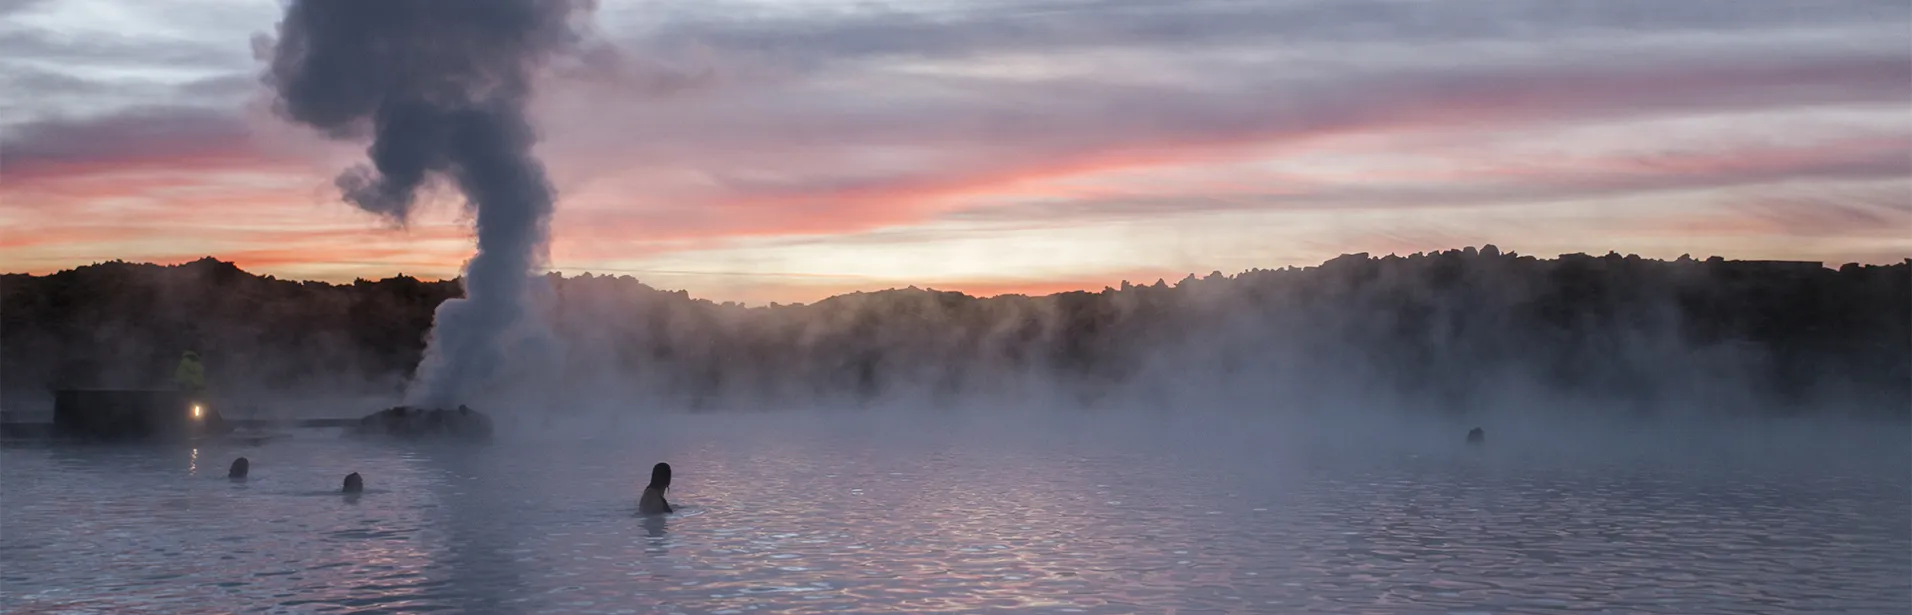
(418, 423)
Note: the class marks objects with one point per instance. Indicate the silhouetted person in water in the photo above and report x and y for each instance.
(652, 502)
(239, 468)
(1476, 437)
(354, 484)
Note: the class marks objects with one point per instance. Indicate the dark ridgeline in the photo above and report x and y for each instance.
(1444, 328)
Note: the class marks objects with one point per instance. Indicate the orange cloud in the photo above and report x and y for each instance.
(270, 216)
(1036, 288)
(784, 289)
(1032, 163)
(211, 187)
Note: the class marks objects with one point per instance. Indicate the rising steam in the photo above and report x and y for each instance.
(442, 88)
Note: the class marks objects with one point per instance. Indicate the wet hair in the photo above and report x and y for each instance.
(353, 483)
(239, 467)
(660, 477)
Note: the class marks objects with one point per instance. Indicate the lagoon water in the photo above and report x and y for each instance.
(785, 515)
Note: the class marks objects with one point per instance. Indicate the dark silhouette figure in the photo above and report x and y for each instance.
(239, 468)
(1476, 437)
(652, 502)
(354, 484)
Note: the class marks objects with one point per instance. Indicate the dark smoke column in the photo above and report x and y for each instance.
(441, 88)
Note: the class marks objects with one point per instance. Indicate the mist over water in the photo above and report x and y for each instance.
(1457, 337)
(1681, 437)
(1274, 442)
(900, 511)
(1469, 336)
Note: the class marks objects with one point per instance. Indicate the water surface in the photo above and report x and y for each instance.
(857, 517)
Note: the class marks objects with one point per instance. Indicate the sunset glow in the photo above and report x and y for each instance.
(711, 148)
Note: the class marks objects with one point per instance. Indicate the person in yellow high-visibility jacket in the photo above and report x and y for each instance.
(191, 376)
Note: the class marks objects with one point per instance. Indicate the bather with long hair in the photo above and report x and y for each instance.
(652, 502)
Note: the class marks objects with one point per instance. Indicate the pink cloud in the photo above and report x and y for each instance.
(132, 179)
(977, 153)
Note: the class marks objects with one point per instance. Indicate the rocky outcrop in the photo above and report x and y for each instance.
(418, 423)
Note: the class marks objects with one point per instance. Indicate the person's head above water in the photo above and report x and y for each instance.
(354, 484)
(239, 468)
(652, 502)
(660, 477)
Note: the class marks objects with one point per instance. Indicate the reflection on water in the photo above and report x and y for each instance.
(808, 523)
(654, 526)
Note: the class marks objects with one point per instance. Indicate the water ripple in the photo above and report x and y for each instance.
(801, 526)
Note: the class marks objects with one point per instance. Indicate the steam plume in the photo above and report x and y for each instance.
(442, 87)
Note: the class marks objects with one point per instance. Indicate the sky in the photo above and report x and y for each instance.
(790, 150)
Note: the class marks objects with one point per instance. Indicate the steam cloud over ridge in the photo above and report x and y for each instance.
(1461, 332)
(442, 88)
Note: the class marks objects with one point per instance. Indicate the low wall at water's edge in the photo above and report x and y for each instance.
(130, 415)
(413, 423)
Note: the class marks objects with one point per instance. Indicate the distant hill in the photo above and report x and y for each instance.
(1448, 330)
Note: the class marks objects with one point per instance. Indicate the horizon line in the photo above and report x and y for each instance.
(1162, 276)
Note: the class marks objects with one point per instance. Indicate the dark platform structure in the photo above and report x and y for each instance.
(133, 415)
(173, 416)
(411, 423)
